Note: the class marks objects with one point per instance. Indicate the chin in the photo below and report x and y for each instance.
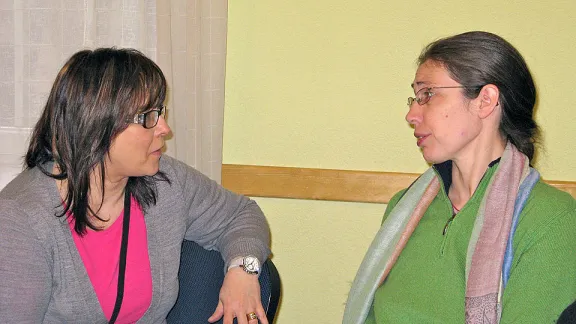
(431, 159)
(427, 157)
(151, 169)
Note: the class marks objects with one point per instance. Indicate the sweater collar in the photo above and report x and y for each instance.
(444, 170)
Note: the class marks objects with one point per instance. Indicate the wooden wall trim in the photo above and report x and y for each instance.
(325, 184)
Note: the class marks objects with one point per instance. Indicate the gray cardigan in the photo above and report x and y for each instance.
(43, 278)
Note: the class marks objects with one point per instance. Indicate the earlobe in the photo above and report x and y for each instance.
(489, 99)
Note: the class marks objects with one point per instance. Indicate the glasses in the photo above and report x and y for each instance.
(423, 95)
(150, 118)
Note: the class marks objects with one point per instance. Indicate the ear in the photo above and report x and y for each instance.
(488, 98)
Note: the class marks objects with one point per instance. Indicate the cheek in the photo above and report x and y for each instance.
(130, 147)
(140, 143)
(121, 153)
(468, 130)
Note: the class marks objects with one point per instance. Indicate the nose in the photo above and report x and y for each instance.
(414, 115)
(162, 128)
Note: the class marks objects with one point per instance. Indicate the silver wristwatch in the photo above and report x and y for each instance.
(249, 263)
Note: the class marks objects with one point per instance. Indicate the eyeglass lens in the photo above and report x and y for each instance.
(151, 117)
(420, 97)
(423, 96)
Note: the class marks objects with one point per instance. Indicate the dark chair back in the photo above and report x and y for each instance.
(200, 277)
(568, 316)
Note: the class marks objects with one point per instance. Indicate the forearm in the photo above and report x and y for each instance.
(247, 234)
(238, 231)
(218, 218)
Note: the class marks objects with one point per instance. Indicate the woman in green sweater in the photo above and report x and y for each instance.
(478, 238)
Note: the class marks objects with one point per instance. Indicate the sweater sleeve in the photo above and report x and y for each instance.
(25, 274)
(543, 278)
(218, 218)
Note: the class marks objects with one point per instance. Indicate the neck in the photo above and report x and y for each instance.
(107, 203)
(112, 194)
(468, 170)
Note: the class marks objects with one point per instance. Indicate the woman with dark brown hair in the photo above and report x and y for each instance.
(479, 237)
(91, 230)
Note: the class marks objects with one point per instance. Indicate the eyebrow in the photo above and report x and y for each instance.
(419, 83)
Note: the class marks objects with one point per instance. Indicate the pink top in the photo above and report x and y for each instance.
(100, 252)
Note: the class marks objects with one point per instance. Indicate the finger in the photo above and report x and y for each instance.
(228, 318)
(217, 313)
(254, 321)
(261, 315)
(242, 318)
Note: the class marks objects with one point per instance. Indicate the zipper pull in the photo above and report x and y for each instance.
(448, 223)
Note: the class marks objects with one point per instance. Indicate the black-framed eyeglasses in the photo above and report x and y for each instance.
(150, 118)
(423, 95)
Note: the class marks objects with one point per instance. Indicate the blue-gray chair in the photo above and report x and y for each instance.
(201, 275)
(568, 316)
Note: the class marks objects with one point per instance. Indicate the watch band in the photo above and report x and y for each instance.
(236, 262)
(250, 264)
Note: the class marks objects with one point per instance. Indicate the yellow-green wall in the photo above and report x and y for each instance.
(323, 84)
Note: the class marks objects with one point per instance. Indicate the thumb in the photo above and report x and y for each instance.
(217, 313)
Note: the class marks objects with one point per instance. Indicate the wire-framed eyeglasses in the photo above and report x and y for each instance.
(423, 95)
(150, 118)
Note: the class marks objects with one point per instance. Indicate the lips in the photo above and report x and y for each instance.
(157, 152)
(420, 138)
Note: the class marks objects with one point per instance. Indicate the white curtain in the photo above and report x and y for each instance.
(192, 54)
(36, 38)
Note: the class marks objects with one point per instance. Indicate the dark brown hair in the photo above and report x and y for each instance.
(93, 96)
(480, 58)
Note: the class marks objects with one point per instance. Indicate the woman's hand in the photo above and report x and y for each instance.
(239, 296)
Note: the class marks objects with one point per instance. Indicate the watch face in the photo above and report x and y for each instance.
(251, 264)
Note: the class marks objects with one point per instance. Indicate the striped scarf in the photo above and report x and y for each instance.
(489, 255)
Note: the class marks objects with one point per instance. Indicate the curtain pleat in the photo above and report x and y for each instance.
(192, 54)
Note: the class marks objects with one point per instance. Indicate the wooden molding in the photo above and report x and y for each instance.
(325, 184)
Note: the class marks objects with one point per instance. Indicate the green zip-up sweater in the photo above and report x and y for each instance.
(427, 283)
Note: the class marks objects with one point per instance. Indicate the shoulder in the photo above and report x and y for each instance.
(393, 201)
(19, 186)
(400, 194)
(545, 192)
(397, 196)
(183, 179)
(170, 165)
(29, 206)
(15, 217)
(30, 190)
(549, 202)
(176, 170)
(547, 210)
